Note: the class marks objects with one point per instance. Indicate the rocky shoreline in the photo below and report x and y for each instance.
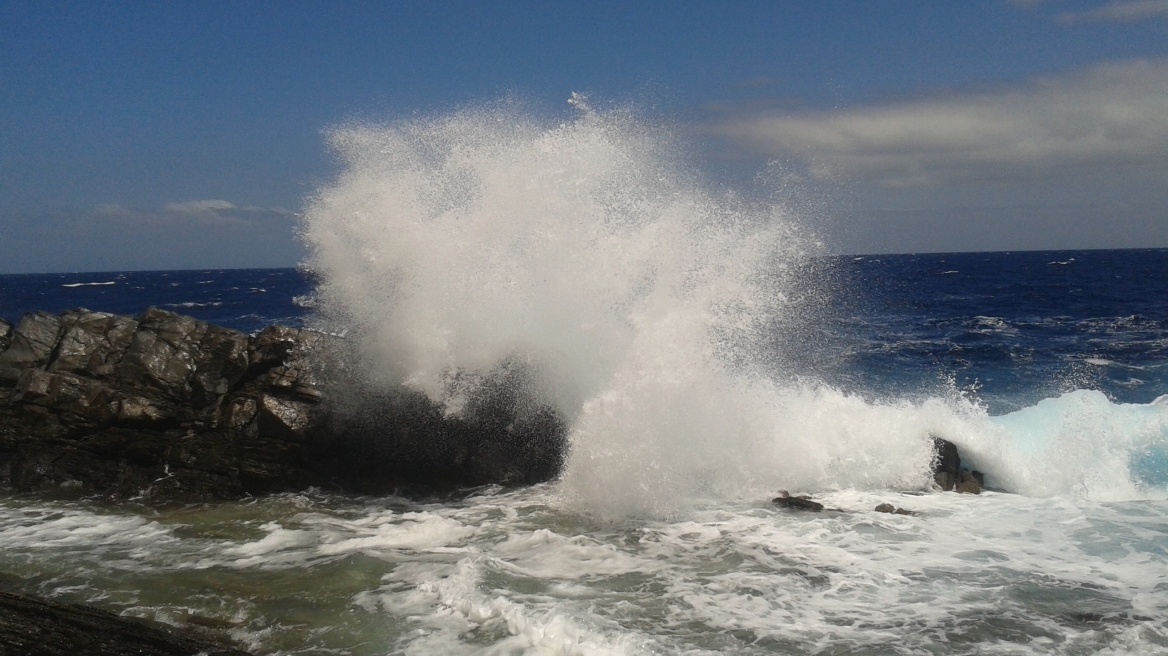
(164, 407)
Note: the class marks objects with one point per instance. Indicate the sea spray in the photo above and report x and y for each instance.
(582, 250)
(639, 304)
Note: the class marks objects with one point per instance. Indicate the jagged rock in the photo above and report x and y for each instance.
(92, 342)
(31, 345)
(78, 400)
(220, 362)
(166, 407)
(785, 500)
(162, 354)
(947, 471)
(31, 626)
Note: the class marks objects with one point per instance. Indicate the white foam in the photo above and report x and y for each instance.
(644, 307)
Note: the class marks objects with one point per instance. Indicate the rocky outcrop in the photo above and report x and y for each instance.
(948, 473)
(167, 407)
(30, 626)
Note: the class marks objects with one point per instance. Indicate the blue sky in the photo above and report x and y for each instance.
(138, 135)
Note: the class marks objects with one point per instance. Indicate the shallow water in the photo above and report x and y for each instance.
(512, 572)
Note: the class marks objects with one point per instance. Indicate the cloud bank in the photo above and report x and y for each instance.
(1109, 115)
(1119, 11)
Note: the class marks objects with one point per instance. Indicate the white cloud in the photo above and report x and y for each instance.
(1110, 115)
(1123, 11)
(199, 206)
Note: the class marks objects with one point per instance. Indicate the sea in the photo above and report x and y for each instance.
(706, 353)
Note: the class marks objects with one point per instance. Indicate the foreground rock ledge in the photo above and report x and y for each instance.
(30, 626)
(165, 407)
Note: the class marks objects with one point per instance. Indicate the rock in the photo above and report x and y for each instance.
(947, 463)
(969, 482)
(785, 500)
(220, 362)
(5, 335)
(92, 342)
(948, 473)
(162, 353)
(168, 408)
(32, 343)
(31, 626)
(893, 510)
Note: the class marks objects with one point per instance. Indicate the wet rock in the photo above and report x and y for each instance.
(31, 626)
(893, 510)
(785, 500)
(948, 473)
(969, 482)
(947, 463)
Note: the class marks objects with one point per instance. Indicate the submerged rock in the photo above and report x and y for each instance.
(31, 626)
(893, 510)
(168, 407)
(803, 502)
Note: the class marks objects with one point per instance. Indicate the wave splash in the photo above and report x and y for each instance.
(636, 302)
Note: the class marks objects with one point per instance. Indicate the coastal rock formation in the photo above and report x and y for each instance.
(948, 473)
(30, 626)
(167, 407)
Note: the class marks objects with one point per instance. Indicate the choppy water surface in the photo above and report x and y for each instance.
(513, 572)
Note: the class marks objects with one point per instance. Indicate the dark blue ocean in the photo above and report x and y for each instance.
(1013, 328)
(1048, 369)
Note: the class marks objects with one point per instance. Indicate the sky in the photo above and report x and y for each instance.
(140, 135)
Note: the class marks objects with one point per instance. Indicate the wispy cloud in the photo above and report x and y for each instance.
(1107, 115)
(210, 211)
(199, 206)
(1122, 11)
(1025, 4)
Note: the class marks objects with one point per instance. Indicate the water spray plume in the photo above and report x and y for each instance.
(636, 302)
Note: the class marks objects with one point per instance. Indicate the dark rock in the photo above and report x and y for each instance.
(5, 335)
(220, 362)
(946, 464)
(969, 482)
(893, 510)
(32, 344)
(169, 408)
(92, 342)
(162, 354)
(785, 500)
(948, 473)
(31, 626)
